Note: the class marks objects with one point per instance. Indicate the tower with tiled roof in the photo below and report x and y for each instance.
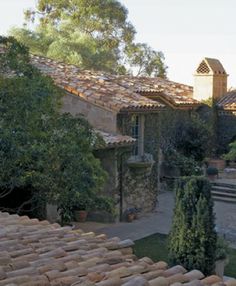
(210, 80)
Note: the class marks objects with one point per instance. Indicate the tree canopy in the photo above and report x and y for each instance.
(40, 149)
(94, 34)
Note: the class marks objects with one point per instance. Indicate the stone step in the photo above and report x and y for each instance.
(224, 199)
(226, 185)
(223, 189)
(223, 194)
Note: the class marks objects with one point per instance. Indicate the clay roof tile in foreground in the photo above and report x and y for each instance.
(228, 101)
(37, 253)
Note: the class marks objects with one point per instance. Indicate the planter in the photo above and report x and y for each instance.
(220, 267)
(217, 163)
(130, 217)
(101, 216)
(212, 177)
(80, 216)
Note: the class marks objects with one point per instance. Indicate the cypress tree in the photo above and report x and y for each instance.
(192, 240)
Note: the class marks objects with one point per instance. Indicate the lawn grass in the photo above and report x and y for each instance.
(155, 247)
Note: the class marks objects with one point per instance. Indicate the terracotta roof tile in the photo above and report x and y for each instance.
(228, 101)
(115, 140)
(176, 93)
(35, 252)
(94, 87)
(116, 92)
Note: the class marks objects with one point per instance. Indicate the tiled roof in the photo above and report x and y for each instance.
(115, 140)
(228, 101)
(97, 88)
(36, 253)
(172, 92)
(115, 92)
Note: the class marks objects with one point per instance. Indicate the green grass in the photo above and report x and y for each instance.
(155, 247)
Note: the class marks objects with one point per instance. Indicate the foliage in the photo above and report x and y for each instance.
(94, 34)
(222, 248)
(40, 148)
(186, 165)
(146, 61)
(192, 240)
(208, 101)
(212, 171)
(184, 140)
(104, 203)
(231, 155)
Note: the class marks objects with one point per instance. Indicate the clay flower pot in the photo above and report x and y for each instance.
(130, 217)
(80, 216)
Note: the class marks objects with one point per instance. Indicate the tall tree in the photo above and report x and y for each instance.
(144, 61)
(94, 34)
(192, 241)
(41, 150)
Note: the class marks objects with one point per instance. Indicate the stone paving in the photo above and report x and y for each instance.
(160, 222)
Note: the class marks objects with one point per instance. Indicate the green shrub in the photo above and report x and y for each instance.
(103, 203)
(222, 249)
(231, 155)
(192, 240)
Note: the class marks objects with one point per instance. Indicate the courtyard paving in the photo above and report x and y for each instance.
(160, 221)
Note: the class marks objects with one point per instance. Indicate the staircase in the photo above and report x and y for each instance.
(224, 191)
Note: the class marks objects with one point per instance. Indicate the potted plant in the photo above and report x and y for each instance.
(103, 209)
(222, 250)
(131, 214)
(81, 208)
(212, 173)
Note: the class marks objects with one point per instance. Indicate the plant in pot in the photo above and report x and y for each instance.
(131, 213)
(104, 209)
(212, 173)
(222, 251)
(81, 207)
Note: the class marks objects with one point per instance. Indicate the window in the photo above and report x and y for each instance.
(137, 129)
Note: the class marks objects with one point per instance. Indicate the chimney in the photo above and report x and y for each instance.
(210, 80)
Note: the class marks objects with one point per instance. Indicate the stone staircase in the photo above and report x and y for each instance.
(224, 191)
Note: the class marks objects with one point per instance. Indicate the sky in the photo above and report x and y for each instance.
(186, 31)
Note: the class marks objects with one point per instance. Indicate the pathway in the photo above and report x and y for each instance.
(160, 221)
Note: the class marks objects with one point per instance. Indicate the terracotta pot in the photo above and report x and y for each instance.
(130, 217)
(80, 216)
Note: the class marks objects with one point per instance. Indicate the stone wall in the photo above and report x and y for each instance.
(138, 191)
(98, 117)
(139, 183)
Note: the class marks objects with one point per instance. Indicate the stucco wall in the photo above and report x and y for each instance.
(206, 86)
(98, 117)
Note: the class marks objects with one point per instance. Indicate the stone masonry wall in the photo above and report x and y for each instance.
(138, 191)
(98, 117)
